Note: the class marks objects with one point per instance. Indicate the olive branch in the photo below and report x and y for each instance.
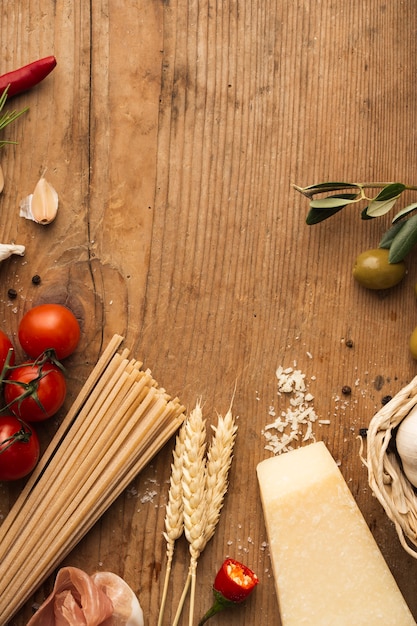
(400, 238)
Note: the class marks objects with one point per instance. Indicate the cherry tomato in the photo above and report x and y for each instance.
(35, 392)
(19, 448)
(49, 326)
(5, 346)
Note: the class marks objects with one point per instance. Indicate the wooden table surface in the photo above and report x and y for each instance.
(173, 133)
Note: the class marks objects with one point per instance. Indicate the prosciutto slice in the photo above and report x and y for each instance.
(126, 608)
(77, 599)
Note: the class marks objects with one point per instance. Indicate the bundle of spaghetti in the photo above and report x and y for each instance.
(117, 424)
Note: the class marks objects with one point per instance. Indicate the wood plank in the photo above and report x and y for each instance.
(173, 133)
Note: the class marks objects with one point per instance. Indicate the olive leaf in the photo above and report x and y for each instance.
(385, 200)
(321, 210)
(365, 216)
(404, 240)
(405, 211)
(390, 234)
(334, 202)
(311, 190)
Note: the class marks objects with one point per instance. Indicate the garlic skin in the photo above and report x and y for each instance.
(406, 442)
(7, 249)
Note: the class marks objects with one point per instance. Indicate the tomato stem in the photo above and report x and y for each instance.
(29, 389)
(23, 435)
(6, 366)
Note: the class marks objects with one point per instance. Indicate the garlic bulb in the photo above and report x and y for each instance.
(406, 442)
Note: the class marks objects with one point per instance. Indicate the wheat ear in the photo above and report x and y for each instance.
(193, 486)
(174, 517)
(216, 471)
(219, 460)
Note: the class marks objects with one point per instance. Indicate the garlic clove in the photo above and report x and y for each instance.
(406, 442)
(44, 203)
(7, 249)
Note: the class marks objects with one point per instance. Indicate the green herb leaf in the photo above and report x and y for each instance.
(385, 200)
(405, 211)
(8, 117)
(390, 234)
(404, 241)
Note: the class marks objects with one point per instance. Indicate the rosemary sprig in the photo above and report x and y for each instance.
(8, 117)
(328, 198)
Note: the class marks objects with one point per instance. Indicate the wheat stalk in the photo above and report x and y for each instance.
(174, 517)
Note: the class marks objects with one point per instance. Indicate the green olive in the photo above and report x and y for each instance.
(413, 343)
(373, 270)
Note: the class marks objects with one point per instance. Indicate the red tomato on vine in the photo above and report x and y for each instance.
(19, 448)
(46, 327)
(34, 392)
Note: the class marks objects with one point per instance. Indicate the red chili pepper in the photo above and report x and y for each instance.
(232, 585)
(27, 76)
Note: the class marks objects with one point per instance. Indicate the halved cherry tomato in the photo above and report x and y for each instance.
(46, 327)
(34, 392)
(5, 346)
(19, 448)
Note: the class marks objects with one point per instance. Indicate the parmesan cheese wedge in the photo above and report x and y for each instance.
(327, 567)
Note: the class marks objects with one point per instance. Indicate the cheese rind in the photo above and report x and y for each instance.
(327, 567)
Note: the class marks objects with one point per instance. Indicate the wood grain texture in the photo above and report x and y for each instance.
(173, 133)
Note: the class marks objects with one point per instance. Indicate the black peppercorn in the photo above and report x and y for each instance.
(346, 390)
(12, 293)
(36, 279)
(385, 400)
(349, 343)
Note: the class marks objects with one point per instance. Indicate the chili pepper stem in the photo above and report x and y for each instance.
(216, 608)
(220, 603)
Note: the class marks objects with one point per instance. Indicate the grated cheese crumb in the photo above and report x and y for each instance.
(295, 423)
